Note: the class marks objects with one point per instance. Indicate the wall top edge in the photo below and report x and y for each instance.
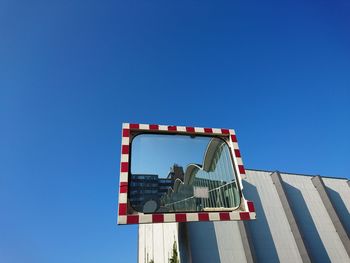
(298, 174)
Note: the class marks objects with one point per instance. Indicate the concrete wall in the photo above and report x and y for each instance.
(273, 237)
(156, 242)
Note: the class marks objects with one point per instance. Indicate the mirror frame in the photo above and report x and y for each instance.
(127, 215)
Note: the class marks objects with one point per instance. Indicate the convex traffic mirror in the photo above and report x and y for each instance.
(180, 174)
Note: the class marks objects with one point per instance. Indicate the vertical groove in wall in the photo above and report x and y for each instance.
(247, 242)
(321, 189)
(277, 180)
(183, 237)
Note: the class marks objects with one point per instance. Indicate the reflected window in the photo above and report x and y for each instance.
(181, 173)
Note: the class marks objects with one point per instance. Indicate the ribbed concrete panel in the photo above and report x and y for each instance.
(169, 237)
(145, 243)
(158, 231)
(247, 242)
(229, 242)
(156, 242)
(277, 180)
(319, 231)
(259, 188)
(322, 191)
(339, 192)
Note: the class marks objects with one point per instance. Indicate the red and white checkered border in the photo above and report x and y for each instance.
(246, 211)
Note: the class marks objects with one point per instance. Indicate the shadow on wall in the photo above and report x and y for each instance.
(203, 243)
(184, 247)
(307, 227)
(264, 247)
(340, 208)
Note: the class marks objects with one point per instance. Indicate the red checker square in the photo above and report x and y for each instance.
(153, 127)
(124, 167)
(244, 216)
(126, 132)
(241, 169)
(237, 153)
(123, 184)
(122, 209)
(233, 138)
(208, 130)
(224, 216)
(251, 207)
(123, 187)
(172, 128)
(134, 126)
(203, 217)
(133, 219)
(225, 131)
(180, 218)
(125, 149)
(158, 218)
(190, 129)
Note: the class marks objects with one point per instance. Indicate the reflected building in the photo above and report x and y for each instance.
(143, 187)
(204, 187)
(176, 172)
(147, 187)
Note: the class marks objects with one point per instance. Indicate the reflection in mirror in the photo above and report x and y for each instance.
(181, 173)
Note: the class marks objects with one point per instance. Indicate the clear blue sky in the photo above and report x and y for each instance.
(71, 72)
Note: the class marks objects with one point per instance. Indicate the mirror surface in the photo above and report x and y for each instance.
(181, 173)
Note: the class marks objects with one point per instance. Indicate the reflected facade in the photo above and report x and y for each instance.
(146, 188)
(188, 186)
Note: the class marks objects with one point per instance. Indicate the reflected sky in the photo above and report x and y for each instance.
(156, 153)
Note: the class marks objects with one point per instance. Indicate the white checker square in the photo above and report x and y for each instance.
(125, 158)
(125, 140)
(239, 161)
(121, 219)
(163, 127)
(144, 126)
(123, 177)
(235, 145)
(145, 218)
(234, 215)
(192, 216)
(169, 217)
(217, 131)
(181, 128)
(200, 130)
(214, 216)
(123, 198)
(252, 215)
